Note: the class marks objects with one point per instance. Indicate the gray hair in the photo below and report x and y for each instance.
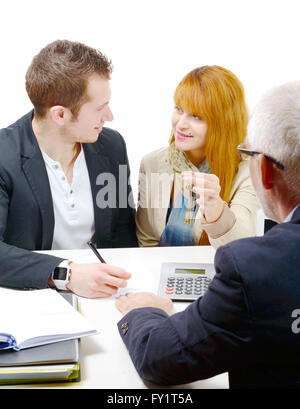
(274, 129)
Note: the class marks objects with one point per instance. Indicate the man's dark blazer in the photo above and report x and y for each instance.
(26, 207)
(245, 324)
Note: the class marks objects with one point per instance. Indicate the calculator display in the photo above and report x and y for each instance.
(189, 271)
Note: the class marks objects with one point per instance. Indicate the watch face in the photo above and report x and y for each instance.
(60, 273)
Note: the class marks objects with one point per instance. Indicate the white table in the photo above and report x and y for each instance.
(105, 361)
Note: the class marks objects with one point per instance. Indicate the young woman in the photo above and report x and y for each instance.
(197, 190)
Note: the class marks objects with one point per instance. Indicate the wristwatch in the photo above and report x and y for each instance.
(61, 275)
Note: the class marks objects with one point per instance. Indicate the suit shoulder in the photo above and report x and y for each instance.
(8, 135)
(12, 139)
(13, 133)
(17, 125)
(232, 257)
(257, 256)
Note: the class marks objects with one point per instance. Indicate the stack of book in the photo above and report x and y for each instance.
(40, 334)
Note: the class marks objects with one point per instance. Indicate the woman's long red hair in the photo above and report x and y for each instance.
(217, 96)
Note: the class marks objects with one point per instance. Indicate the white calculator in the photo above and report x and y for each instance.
(185, 281)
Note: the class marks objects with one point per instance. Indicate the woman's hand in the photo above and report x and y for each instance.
(207, 188)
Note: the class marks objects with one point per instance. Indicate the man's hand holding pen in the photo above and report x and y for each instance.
(96, 279)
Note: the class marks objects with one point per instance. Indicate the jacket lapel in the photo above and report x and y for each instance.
(97, 164)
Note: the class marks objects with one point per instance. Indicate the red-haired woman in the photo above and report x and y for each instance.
(197, 190)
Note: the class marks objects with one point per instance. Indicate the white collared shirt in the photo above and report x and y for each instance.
(290, 215)
(73, 205)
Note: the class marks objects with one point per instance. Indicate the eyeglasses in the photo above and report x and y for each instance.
(245, 153)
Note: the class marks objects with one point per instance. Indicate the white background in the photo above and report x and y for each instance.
(152, 44)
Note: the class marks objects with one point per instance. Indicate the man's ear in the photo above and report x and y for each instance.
(266, 172)
(58, 114)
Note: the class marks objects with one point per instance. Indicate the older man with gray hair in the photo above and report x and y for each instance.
(248, 321)
(274, 129)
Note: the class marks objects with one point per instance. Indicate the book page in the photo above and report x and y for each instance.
(39, 313)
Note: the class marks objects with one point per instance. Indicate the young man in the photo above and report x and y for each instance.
(55, 164)
(248, 321)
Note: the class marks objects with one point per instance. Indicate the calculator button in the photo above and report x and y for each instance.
(169, 292)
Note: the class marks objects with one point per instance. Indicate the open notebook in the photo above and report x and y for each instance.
(38, 317)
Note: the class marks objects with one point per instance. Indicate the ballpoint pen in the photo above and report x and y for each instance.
(96, 252)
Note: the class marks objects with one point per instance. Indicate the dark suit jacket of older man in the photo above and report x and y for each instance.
(26, 207)
(247, 323)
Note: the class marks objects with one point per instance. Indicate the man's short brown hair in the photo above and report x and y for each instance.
(58, 75)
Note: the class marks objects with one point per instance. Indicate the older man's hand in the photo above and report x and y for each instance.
(128, 302)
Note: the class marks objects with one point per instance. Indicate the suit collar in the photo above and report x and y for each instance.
(29, 144)
(36, 174)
